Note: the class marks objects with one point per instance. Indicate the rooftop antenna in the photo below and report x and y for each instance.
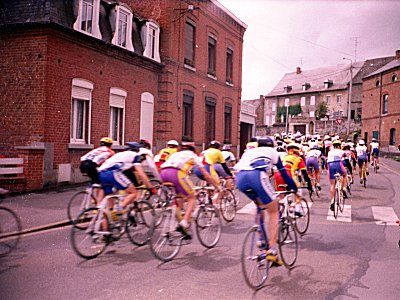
(355, 46)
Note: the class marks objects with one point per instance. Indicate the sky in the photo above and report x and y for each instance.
(285, 34)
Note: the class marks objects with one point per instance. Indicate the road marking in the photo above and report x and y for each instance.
(344, 216)
(384, 215)
(248, 209)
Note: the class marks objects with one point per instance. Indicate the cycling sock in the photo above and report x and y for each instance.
(184, 224)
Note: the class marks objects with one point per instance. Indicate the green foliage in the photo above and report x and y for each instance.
(294, 110)
(321, 110)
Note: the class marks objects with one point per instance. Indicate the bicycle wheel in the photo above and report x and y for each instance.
(160, 201)
(303, 221)
(165, 241)
(208, 225)
(86, 241)
(10, 230)
(228, 206)
(287, 242)
(341, 202)
(79, 202)
(336, 202)
(139, 222)
(255, 266)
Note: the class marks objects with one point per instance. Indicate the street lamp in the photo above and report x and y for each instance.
(349, 96)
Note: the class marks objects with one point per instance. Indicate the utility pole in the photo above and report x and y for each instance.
(349, 96)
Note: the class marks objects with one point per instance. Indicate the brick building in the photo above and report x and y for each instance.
(381, 112)
(75, 71)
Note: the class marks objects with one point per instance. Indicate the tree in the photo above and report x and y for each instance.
(321, 110)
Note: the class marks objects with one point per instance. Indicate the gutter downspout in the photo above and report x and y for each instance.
(380, 110)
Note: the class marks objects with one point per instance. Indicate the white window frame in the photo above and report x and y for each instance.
(146, 116)
(273, 119)
(303, 101)
(117, 100)
(312, 114)
(273, 107)
(328, 99)
(339, 98)
(149, 33)
(95, 19)
(266, 120)
(81, 91)
(119, 10)
(312, 100)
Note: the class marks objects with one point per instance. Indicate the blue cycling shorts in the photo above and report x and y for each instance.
(257, 181)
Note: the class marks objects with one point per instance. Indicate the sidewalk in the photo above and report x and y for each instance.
(43, 210)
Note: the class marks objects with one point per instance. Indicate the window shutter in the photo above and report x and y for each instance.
(81, 93)
(117, 101)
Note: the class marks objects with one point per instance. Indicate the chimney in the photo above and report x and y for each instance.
(397, 54)
(298, 70)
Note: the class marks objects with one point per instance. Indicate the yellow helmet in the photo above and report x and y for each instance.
(337, 143)
(106, 140)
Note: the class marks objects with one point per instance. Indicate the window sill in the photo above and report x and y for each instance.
(229, 84)
(80, 146)
(189, 67)
(118, 147)
(212, 77)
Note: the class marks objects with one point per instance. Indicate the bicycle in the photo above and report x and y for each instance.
(363, 179)
(255, 266)
(82, 200)
(95, 228)
(228, 202)
(165, 242)
(349, 181)
(338, 196)
(10, 230)
(374, 163)
(314, 182)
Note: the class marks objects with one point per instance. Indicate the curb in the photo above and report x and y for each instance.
(38, 228)
(389, 168)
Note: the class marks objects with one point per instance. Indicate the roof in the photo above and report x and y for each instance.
(395, 63)
(339, 75)
(371, 65)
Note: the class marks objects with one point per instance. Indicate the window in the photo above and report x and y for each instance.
(117, 115)
(394, 78)
(385, 104)
(328, 99)
(338, 98)
(273, 106)
(212, 56)
(303, 101)
(80, 111)
(377, 83)
(146, 116)
(273, 119)
(287, 102)
(123, 33)
(228, 124)
(151, 40)
(312, 114)
(266, 120)
(187, 126)
(190, 43)
(229, 65)
(210, 120)
(87, 20)
(392, 136)
(312, 100)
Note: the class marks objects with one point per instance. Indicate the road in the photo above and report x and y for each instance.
(350, 258)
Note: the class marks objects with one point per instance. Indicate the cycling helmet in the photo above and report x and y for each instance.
(316, 146)
(293, 146)
(188, 146)
(361, 142)
(226, 147)
(172, 143)
(337, 143)
(265, 142)
(106, 141)
(215, 144)
(374, 140)
(133, 146)
(145, 143)
(346, 147)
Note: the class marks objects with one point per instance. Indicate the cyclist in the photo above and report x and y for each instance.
(176, 170)
(117, 172)
(312, 160)
(335, 165)
(94, 158)
(211, 157)
(374, 150)
(163, 154)
(229, 157)
(252, 143)
(293, 163)
(147, 160)
(350, 157)
(252, 174)
(362, 157)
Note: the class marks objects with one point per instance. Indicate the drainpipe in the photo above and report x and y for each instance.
(380, 110)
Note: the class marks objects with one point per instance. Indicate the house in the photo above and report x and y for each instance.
(381, 112)
(75, 71)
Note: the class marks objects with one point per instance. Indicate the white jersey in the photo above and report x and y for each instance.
(147, 161)
(228, 156)
(314, 153)
(121, 161)
(258, 158)
(361, 151)
(335, 155)
(183, 160)
(374, 145)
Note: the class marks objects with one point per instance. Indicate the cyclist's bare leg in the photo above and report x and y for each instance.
(332, 189)
(132, 195)
(190, 206)
(318, 176)
(273, 221)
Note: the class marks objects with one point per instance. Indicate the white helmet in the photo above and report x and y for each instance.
(361, 142)
(173, 142)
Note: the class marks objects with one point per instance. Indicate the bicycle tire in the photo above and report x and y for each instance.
(255, 266)
(302, 223)
(165, 242)
(160, 201)
(341, 202)
(85, 241)
(139, 221)
(228, 206)
(208, 225)
(287, 242)
(10, 230)
(336, 202)
(78, 203)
